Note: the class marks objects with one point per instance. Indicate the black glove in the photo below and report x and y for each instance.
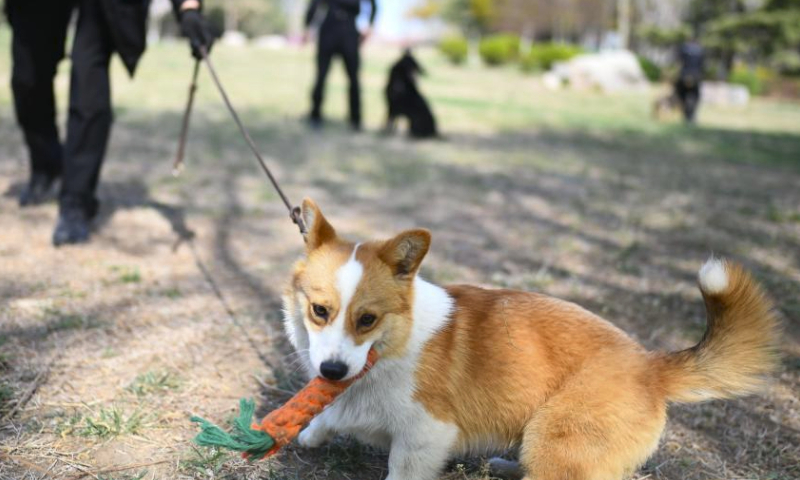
(199, 32)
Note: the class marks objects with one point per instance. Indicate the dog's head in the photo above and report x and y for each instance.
(409, 65)
(345, 298)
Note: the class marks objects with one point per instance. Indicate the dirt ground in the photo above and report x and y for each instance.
(107, 349)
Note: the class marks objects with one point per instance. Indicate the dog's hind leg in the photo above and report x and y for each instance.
(602, 424)
(505, 469)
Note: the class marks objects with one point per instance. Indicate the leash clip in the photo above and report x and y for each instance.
(297, 218)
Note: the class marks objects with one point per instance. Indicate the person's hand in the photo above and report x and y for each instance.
(305, 37)
(199, 32)
(365, 34)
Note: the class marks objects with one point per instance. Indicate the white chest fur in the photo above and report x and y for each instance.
(380, 408)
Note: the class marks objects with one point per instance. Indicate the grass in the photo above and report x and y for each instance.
(124, 476)
(6, 396)
(103, 424)
(207, 462)
(127, 274)
(153, 382)
(778, 215)
(5, 361)
(172, 293)
(59, 321)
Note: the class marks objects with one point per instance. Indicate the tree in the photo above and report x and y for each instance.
(473, 16)
(770, 35)
(701, 12)
(767, 34)
(563, 20)
(253, 17)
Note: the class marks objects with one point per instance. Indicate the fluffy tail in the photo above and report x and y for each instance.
(739, 347)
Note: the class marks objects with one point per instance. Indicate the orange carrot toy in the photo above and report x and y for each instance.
(280, 426)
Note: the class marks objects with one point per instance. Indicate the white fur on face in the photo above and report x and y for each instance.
(381, 410)
(332, 343)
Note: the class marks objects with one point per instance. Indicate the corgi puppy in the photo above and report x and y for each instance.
(465, 370)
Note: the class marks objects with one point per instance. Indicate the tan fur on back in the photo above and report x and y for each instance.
(499, 368)
(506, 353)
(583, 399)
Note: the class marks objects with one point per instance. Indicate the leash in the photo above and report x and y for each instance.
(294, 212)
(177, 165)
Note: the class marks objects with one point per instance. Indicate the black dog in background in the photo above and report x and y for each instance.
(404, 100)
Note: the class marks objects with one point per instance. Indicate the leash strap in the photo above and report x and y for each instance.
(294, 212)
(177, 166)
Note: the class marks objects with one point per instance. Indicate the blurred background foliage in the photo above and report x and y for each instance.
(252, 17)
(755, 43)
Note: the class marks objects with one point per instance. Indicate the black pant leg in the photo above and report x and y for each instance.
(691, 101)
(90, 114)
(688, 91)
(37, 46)
(326, 48)
(352, 62)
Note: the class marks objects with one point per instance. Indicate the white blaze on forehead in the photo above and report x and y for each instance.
(347, 278)
(332, 343)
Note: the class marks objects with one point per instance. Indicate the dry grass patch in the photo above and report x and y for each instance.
(104, 423)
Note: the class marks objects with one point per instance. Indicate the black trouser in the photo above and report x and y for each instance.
(38, 45)
(40, 32)
(338, 35)
(687, 89)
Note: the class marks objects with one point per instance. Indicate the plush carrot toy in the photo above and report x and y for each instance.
(280, 426)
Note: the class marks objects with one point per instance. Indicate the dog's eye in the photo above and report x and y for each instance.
(320, 311)
(366, 320)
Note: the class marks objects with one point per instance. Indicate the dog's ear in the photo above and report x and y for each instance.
(404, 253)
(415, 64)
(318, 230)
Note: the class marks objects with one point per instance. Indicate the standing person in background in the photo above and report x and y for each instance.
(39, 37)
(338, 35)
(692, 59)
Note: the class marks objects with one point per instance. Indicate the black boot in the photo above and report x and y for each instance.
(37, 190)
(314, 121)
(74, 222)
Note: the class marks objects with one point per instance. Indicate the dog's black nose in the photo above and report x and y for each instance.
(333, 370)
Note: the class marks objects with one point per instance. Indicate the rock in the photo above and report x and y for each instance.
(552, 81)
(233, 38)
(271, 42)
(724, 94)
(610, 71)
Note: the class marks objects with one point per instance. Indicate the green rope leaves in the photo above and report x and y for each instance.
(253, 443)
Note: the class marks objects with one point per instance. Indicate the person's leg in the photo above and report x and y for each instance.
(688, 100)
(352, 60)
(691, 102)
(88, 125)
(325, 51)
(37, 47)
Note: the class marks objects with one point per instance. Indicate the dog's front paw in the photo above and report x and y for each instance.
(313, 436)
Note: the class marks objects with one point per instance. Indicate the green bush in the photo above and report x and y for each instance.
(787, 63)
(755, 79)
(664, 37)
(650, 69)
(542, 56)
(499, 49)
(455, 48)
